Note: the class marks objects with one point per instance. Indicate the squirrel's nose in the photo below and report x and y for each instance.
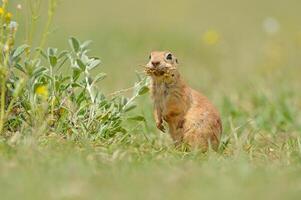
(155, 63)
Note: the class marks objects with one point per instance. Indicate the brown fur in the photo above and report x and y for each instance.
(191, 118)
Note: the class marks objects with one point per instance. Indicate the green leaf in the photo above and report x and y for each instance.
(19, 67)
(52, 60)
(85, 44)
(51, 51)
(144, 89)
(62, 54)
(137, 118)
(19, 50)
(130, 107)
(81, 97)
(99, 77)
(121, 130)
(61, 64)
(41, 52)
(74, 43)
(38, 71)
(75, 85)
(76, 73)
(81, 65)
(123, 101)
(19, 87)
(28, 67)
(94, 64)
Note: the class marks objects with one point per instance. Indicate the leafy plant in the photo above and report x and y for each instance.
(56, 92)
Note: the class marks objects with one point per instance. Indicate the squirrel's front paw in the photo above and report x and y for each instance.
(160, 126)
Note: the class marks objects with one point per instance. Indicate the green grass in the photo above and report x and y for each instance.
(251, 76)
(137, 168)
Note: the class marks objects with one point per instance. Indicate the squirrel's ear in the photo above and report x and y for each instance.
(177, 61)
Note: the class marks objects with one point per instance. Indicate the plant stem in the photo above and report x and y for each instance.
(3, 65)
(2, 108)
(3, 91)
(4, 5)
(34, 9)
(51, 9)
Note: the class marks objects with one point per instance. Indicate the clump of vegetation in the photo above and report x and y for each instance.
(51, 91)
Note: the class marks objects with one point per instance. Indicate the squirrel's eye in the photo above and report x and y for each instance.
(169, 56)
(149, 57)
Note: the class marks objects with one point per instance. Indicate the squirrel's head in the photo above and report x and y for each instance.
(161, 63)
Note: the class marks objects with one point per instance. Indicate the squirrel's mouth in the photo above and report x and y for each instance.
(155, 71)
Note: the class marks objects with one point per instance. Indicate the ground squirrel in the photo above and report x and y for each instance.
(191, 118)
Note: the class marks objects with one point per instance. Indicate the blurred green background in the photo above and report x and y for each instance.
(218, 43)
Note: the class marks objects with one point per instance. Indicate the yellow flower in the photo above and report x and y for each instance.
(211, 37)
(42, 90)
(8, 16)
(62, 111)
(1, 11)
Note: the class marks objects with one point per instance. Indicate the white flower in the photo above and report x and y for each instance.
(13, 25)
